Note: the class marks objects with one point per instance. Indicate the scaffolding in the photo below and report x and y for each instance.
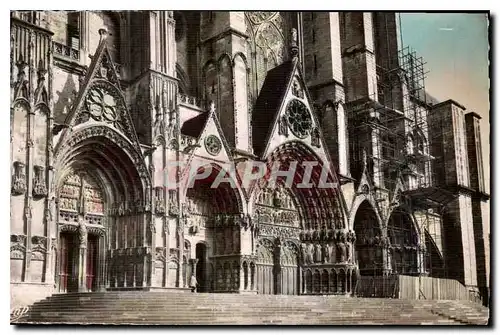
(393, 141)
(398, 114)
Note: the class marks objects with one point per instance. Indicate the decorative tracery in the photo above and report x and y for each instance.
(299, 119)
(267, 42)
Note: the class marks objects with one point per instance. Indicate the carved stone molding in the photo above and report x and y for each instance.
(283, 126)
(315, 138)
(297, 89)
(160, 254)
(67, 227)
(17, 246)
(38, 248)
(21, 85)
(173, 209)
(18, 179)
(99, 231)
(39, 184)
(159, 200)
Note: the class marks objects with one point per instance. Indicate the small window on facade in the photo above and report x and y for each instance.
(73, 40)
(315, 65)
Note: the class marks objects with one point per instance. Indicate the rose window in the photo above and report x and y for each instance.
(213, 145)
(299, 119)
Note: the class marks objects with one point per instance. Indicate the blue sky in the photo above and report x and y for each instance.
(455, 48)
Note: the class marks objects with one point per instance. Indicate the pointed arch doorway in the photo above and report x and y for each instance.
(369, 241)
(81, 235)
(103, 194)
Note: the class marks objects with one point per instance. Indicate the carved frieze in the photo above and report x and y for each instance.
(279, 231)
(18, 179)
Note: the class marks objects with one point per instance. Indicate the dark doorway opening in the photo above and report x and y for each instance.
(92, 257)
(68, 263)
(201, 277)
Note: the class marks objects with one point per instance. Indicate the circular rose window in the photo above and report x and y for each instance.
(299, 119)
(213, 145)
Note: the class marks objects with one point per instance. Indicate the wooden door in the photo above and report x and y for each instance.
(68, 263)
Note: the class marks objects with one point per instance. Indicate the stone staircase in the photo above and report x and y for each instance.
(177, 308)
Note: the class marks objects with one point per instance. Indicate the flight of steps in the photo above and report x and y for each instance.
(173, 308)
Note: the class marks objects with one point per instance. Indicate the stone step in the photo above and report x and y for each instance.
(226, 309)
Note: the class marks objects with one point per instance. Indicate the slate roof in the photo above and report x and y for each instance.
(269, 102)
(194, 126)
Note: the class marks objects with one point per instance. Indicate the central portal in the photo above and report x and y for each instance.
(278, 243)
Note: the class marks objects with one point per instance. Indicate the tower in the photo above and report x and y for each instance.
(225, 73)
(449, 146)
(480, 215)
(324, 74)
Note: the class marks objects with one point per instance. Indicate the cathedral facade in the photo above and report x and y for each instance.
(260, 152)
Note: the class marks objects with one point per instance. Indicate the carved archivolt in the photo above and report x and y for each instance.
(120, 141)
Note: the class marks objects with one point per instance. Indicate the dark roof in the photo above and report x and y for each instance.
(194, 126)
(269, 102)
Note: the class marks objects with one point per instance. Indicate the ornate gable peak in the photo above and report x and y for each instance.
(212, 115)
(100, 98)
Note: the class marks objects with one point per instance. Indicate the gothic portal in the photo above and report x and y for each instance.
(130, 150)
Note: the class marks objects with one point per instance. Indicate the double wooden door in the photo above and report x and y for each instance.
(69, 263)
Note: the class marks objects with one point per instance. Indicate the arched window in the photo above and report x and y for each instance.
(73, 31)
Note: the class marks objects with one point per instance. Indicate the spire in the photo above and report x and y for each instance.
(294, 48)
